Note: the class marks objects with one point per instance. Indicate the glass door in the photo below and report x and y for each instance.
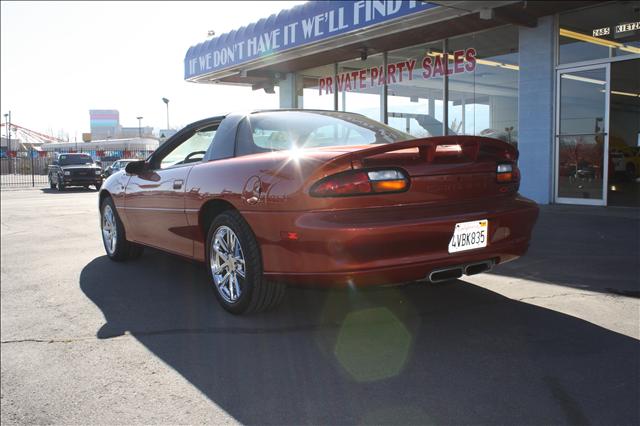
(582, 141)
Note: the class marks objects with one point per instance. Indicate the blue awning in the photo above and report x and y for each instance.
(302, 25)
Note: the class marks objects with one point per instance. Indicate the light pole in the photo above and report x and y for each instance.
(7, 119)
(7, 124)
(140, 126)
(166, 101)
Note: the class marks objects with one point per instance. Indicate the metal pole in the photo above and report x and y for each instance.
(335, 86)
(166, 101)
(9, 143)
(445, 90)
(33, 178)
(6, 130)
(384, 112)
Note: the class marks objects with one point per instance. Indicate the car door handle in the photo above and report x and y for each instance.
(177, 184)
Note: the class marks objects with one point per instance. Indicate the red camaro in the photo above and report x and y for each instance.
(318, 198)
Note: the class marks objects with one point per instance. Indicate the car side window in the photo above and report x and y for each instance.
(253, 141)
(191, 150)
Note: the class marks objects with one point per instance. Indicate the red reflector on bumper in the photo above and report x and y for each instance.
(293, 236)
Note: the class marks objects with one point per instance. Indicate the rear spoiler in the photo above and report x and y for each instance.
(431, 148)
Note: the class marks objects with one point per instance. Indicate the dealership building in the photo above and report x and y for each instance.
(560, 80)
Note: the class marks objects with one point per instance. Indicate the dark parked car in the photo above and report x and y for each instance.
(74, 170)
(116, 167)
(319, 198)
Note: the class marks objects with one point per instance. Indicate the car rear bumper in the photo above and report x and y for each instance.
(385, 245)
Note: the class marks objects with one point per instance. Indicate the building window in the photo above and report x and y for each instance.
(360, 86)
(415, 103)
(315, 93)
(482, 77)
(483, 84)
(600, 32)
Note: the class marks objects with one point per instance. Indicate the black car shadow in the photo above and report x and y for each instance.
(594, 249)
(447, 354)
(68, 190)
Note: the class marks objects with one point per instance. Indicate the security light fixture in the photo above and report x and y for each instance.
(486, 13)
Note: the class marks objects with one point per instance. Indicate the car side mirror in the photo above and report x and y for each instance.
(136, 167)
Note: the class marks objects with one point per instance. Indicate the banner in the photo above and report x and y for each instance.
(312, 22)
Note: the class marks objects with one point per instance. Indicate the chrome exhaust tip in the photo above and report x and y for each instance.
(455, 272)
(446, 274)
(477, 268)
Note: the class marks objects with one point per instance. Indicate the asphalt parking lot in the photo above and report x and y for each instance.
(549, 339)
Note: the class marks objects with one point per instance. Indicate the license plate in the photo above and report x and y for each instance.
(469, 235)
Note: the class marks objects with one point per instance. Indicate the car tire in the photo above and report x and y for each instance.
(114, 237)
(98, 186)
(230, 234)
(51, 184)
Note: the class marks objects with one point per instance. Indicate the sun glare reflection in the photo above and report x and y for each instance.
(295, 153)
(372, 344)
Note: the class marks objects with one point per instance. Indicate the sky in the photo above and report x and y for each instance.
(58, 60)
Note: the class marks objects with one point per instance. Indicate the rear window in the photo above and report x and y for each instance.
(284, 130)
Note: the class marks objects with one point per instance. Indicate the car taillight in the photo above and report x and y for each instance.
(507, 173)
(361, 182)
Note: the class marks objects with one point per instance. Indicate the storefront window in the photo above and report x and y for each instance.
(482, 71)
(360, 86)
(315, 93)
(624, 134)
(483, 84)
(415, 103)
(600, 32)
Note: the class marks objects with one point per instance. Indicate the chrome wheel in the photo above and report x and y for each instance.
(226, 259)
(109, 230)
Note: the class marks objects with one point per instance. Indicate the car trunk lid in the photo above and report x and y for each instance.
(445, 169)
